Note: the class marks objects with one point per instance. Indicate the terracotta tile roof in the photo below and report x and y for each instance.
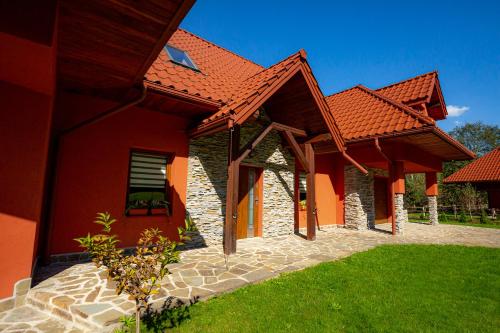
(361, 112)
(221, 71)
(484, 169)
(418, 88)
(253, 87)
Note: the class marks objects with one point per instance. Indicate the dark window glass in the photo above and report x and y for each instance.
(302, 187)
(180, 57)
(149, 181)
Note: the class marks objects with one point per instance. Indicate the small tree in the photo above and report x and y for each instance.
(138, 275)
(483, 219)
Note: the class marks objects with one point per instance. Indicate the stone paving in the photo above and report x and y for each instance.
(82, 300)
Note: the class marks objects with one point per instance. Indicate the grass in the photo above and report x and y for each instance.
(415, 217)
(393, 288)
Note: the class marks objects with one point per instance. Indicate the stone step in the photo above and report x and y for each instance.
(91, 317)
(27, 318)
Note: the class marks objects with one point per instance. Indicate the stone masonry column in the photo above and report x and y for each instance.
(431, 190)
(398, 184)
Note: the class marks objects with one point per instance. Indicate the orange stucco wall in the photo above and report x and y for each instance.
(26, 97)
(92, 173)
(329, 180)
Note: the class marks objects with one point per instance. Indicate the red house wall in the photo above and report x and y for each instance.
(27, 79)
(329, 191)
(92, 172)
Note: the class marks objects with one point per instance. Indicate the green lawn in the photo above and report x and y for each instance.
(495, 224)
(393, 288)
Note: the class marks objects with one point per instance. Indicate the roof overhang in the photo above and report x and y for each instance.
(106, 47)
(430, 139)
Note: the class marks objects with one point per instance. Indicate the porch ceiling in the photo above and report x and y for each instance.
(106, 47)
(294, 105)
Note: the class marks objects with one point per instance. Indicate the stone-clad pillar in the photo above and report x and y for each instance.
(431, 190)
(398, 183)
(401, 214)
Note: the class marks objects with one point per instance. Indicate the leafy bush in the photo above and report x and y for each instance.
(443, 217)
(138, 275)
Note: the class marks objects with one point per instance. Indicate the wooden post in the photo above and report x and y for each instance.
(392, 196)
(233, 170)
(311, 193)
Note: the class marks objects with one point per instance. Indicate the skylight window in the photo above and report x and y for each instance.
(180, 57)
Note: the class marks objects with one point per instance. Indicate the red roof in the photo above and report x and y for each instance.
(418, 88)
(484, 169)
(220, 71)
(361, 112)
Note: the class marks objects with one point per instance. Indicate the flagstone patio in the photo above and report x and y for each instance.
(78, 298)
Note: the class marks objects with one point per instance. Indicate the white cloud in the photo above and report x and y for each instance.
(455, 110)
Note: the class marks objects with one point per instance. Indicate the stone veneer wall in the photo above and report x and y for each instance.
(359, 203)
(207, 176)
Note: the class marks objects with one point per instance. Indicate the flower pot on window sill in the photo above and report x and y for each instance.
(137, 212)
(159, 211)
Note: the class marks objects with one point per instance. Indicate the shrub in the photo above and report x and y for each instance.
(483, 219)
(462, 218)
(443, 217)
(138, 275)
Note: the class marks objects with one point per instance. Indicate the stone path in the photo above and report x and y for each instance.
(82, 299)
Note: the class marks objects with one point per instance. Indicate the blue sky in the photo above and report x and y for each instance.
(374, 43)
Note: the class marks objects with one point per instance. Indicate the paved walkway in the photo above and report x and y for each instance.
(83, 300)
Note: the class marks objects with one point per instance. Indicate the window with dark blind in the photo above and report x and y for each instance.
(149, 183)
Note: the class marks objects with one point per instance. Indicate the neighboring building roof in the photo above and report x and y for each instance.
(220, 71)
(418, 88)
(361, 112)
(484, 169)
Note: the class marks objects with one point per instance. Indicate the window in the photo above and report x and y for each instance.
(149, 184)
(302, 190)
(180, 57)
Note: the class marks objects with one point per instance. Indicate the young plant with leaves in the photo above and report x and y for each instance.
(138, 275)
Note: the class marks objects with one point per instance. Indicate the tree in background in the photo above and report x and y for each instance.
(481, 139)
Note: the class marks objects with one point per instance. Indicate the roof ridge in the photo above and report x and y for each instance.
(299, 53)
(218, 46)
(236, 91)
(406, 80)
(405, 108)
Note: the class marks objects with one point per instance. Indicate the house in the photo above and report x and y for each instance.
(155, 124)
(484, 174)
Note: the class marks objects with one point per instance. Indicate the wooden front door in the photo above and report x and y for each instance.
(381, 204)
(249, 202)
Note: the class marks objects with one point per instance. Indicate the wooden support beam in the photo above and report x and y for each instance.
(293, 130)
(233, 169)
(254, 142)
(297, 150)
(392, 178)
(311, 193)
(319, 138)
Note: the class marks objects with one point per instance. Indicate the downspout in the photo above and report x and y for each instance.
(391, 173)
(52, 176)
